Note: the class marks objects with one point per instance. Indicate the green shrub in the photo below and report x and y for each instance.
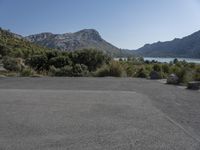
(116, 69)
(103, 71)
(180, 64)
(185, 75)
(129, 69)
(174, 69)
(142, 73)
(12, 64)
(17, 53)
(78, 70)
(165, 68)
(91, 58)
(26, 72)
(61, 72)
(60, 61)
(197, 74)
(52, 54)
(113, 69)
(192, 65)
(157, 68)
(4, 51)
(38, 62)
(148, 68)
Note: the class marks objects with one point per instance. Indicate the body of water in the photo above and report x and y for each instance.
(167, 60)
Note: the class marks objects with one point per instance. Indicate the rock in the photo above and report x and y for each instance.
(172, 79)
(155, 75)
(194, 85)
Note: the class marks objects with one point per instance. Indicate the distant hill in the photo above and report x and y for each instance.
(186, 47)
(87, 38)
(15, 45)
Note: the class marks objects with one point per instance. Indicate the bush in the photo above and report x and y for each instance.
(80, 70)
(142, 73)
(185, 75)
(93, 59)
(174, 70)
(12, 64)
(103, 71)
(52, 54)
(113, 69)
(197, 74)
(4, 51)
(61, 72)
(116, 69)
(38, 62)
(26, 72)
(157, 68)
(17, 53)
(60, 61)
(165, 68)
(129, 69)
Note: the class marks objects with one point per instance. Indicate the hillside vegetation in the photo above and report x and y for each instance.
(22, 58)
(15, 46)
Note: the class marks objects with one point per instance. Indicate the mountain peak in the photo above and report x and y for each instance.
(89, 31)
(86, 38)
(89, 34)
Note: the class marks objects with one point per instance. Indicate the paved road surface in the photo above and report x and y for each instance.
(97, 114)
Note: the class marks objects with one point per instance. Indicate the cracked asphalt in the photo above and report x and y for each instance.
(97, 114)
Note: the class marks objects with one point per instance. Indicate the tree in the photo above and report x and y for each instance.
(4, 51)
(60, 61)
(38, 62)
(12, 64)
(175, 61)
(91, 58)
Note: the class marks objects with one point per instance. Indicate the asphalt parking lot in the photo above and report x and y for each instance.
(97, 114)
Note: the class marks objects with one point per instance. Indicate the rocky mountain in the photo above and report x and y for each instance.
(188, 46)
(87, 38)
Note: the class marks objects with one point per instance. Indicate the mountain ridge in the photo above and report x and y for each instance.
(188, 47)
(83, 39)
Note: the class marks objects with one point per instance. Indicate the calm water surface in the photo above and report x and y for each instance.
(167, 60)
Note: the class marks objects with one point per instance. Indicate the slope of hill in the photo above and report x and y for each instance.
(16, 45)
(87, 38)
(188, 47)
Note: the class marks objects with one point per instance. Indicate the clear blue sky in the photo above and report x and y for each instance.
(124, 23)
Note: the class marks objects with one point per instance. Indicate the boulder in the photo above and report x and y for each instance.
(155, 75)
(172, 79)
(194, 85)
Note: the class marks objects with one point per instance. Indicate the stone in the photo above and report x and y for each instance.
(172, 79)
(155, 75)
(194, 85)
